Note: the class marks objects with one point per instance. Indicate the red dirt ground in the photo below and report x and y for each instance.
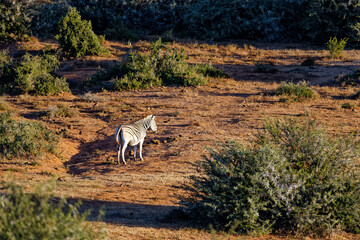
(137, 196)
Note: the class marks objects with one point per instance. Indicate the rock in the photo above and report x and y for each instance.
(155, 141)
(61, 179)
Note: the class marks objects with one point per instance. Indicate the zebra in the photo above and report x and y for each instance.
(133, 134)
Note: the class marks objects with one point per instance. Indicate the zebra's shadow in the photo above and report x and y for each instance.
(97, 156)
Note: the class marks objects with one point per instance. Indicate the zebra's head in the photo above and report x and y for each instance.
(153, 123)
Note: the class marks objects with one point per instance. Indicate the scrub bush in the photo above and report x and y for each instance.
(38, 216)
(163, 66)
(33, 74)
(336, 47)
(297, 91)
(24, 138)
(76, 36)
(295, 178)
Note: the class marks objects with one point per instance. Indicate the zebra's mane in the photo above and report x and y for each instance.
(145, 121)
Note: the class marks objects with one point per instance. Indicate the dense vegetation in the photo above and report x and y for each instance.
(31, 74)
(163, 66)
(37, 216)
(24, 138)
(296, 178)
(314, 20)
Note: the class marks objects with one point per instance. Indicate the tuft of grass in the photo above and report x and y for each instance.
(348, 105)
(24, 138)
(297, 91)
(39, 215)
(60, 110)
(336, 47)
(4, 106)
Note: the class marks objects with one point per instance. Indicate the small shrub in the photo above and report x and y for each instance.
(163, 66)
(38, 216)
(24, 138)
(297, 91)
(336, 47)
(348, 105)
(33, 74)
(4, 106)
(60, 110)
(76, 36)
(295, 178)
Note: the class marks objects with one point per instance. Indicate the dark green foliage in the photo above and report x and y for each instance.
(259, 19)
(37, 216)
(46, 17)
(336, 47)
(32, 74)
(295, 178)
(297, 91)
(24, 138)
(327, 18)
(14, 19)
(76, 36)
(163, 66)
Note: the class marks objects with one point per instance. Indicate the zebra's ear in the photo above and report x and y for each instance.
(153, 117)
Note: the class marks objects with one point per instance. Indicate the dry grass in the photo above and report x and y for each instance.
(188, 119)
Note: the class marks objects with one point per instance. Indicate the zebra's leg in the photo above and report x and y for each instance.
(135, 148)
(124, 146)
(118, 154)
(140, 150)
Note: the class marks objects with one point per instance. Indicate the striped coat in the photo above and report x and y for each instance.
(133, 134)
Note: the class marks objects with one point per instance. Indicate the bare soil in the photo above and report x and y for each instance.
(137, 197)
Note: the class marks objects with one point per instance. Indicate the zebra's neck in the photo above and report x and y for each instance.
(145, 123)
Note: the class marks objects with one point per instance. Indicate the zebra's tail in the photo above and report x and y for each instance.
(117, 135)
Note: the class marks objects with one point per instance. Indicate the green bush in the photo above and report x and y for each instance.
(76, 36)
(336, 47)
(38, 216)
(295, 178)
(163, 66)
(326, 18)
(32, 74)
(24, 138)
(297, 91)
